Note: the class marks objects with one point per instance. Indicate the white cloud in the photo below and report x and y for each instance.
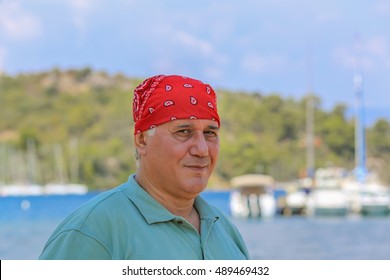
(376, 46)
(81, 5)
(368, 54)
(213, 73)
(17, 23)
(328, 17)
(3, 53)
(347, 58)
(187, 40)
(255, 63)
(382, 7)
(80, 12)
(163, 64)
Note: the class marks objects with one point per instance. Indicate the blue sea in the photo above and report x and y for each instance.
(27, 222)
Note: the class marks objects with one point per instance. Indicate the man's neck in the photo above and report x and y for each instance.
(178, 206)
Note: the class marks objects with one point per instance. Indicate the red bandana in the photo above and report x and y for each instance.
(161, 99)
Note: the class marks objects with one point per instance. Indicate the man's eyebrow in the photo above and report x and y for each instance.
(213, 127)
(187, 125)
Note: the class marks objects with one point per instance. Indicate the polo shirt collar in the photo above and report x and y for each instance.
(205, 211)
(153, 211)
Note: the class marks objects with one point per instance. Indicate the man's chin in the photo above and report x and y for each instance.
(196, 185)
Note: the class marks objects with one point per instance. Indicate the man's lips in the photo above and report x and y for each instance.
(197, 166)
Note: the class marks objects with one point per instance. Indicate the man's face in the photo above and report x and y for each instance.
(180, 157)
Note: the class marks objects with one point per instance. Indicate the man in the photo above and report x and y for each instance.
(158, 213)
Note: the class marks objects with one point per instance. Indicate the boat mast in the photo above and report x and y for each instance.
(310, 137)
(310, 153)
(360, 135)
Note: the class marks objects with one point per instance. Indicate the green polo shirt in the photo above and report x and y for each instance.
(127, 223)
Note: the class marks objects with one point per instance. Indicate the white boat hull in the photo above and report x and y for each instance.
(252, 205)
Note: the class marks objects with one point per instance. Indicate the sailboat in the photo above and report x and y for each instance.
(322, 194)
(62, 187)
(18, 172)
(296, 201)
(373, 198)
(327, 198)
(359, 194)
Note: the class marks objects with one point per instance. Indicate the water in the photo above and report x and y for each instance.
(318, 238)
(27, 222)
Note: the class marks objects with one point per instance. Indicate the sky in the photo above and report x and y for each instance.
(287, 47)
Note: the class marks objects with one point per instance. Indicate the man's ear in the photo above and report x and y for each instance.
(140, 142)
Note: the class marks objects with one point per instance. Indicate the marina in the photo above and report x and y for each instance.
(26, 222)
(258, 196)
(37, 190)
(334, 193)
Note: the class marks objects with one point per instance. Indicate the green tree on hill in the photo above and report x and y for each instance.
(261, 133)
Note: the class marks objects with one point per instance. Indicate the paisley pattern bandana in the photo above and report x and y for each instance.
(162, 98)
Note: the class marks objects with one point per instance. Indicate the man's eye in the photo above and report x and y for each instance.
(184, 131)
(210, 133)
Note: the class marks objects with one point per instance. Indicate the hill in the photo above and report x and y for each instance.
(78, 125)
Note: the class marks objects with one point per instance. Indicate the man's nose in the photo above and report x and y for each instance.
(199, 145)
